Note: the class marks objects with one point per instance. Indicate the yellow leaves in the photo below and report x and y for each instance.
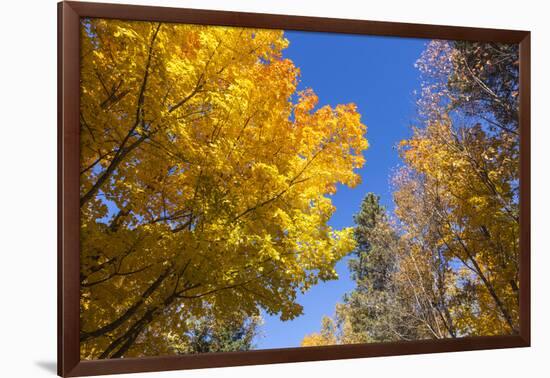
(477, 201)
(98, 54)
(307, 101)
(126, 32)
(315, 339)
(344, 241)
(327, 336)
(264, 172)
(457, 195)
(209, 176)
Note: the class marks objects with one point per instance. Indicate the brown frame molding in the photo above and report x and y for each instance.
(69, 14)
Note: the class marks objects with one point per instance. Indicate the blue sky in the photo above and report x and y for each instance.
(377, 74)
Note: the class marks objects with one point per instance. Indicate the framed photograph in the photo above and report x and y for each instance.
(239, 188)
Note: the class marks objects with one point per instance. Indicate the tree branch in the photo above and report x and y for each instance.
(123, 151)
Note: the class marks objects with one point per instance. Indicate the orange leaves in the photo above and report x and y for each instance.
(334, 137)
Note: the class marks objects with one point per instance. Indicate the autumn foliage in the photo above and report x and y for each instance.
(205, 195)
(446, 263)
(204, 186)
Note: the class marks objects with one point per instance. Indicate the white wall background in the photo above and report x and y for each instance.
(28, 186)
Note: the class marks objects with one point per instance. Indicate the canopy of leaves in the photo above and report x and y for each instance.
(205, 182)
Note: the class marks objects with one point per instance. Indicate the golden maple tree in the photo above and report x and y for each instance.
(205, 181)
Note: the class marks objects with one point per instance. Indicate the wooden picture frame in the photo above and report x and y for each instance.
(69, 14)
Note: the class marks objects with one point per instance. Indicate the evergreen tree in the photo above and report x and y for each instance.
(373, 311)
